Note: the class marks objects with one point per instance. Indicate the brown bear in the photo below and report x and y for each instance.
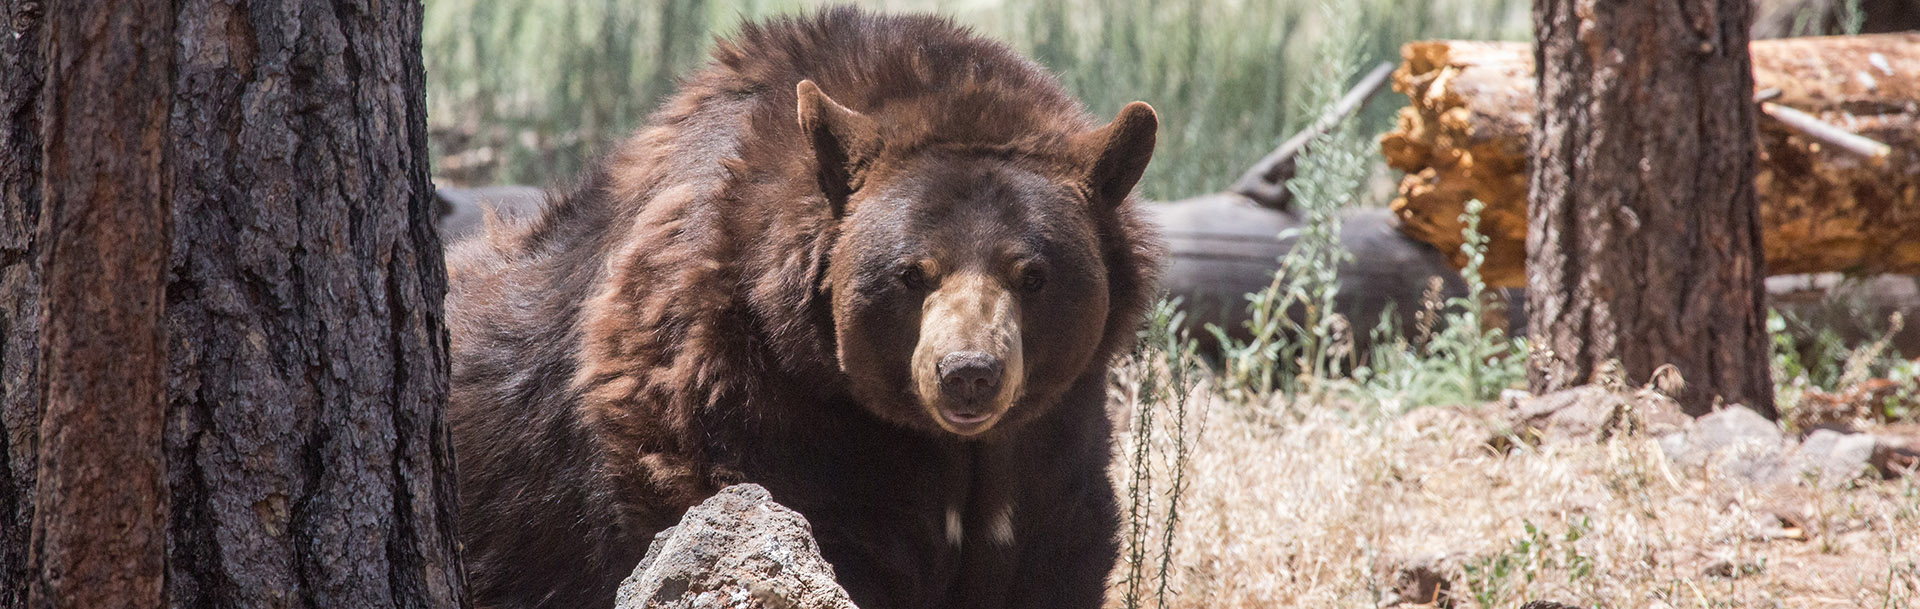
(878, 265)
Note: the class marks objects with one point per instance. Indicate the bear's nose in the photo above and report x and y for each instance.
(970, 376)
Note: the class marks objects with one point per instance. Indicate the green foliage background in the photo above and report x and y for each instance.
(526, 91)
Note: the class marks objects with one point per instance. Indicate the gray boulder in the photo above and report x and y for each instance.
(1737, 442)
(736, 550)
(1741, 444)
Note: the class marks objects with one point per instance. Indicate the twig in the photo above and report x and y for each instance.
(1266, 181)
(1827, 133)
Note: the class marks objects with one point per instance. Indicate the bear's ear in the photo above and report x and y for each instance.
(1117, 154)
(843, 142)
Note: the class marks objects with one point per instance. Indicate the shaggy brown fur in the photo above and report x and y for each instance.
(737, 295)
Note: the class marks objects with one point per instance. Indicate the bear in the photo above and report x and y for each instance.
(877, 264)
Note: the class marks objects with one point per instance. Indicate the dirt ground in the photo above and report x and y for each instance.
(1324, 504)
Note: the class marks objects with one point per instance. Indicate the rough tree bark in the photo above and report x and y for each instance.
(1644, 236)
(306, 463)
(24, 65)
(98, 532)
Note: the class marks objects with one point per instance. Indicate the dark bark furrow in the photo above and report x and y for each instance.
(21, 61)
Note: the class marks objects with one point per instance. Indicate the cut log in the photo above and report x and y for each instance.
(1823, 208)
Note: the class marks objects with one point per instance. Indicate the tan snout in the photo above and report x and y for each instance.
(967, 367)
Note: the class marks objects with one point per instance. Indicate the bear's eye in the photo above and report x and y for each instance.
(1032, 279)
(915, 277)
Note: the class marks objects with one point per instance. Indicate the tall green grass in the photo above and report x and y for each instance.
(526, 91)
(523, 91)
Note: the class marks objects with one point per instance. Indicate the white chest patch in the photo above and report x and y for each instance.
(954, 533)
(1002, 527)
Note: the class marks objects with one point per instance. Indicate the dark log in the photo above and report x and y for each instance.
(1223, 247)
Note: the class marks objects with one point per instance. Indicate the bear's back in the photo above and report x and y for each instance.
(925, 79)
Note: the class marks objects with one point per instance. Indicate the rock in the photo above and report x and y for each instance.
(1422, 581)
(1736, 426)
(1582, 413)
(1831, 458)
(736, 550)
(1592, 413)
(1736, 441)
(1741, 444)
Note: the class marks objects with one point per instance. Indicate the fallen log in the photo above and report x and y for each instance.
(1825, 206)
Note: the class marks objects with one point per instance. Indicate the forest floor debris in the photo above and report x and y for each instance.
(1320, 503)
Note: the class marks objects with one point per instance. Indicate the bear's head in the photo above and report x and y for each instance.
(969, 285)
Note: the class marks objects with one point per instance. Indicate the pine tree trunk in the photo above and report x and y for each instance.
(1644, 237)
(306, 460)
(25, 68)
(98, 531)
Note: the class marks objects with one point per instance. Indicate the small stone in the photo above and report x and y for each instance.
(1737, 442)
(1736, 425)
(1830, 458)
(1727, 568)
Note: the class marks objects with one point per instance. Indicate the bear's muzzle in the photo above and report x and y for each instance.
(967, 365)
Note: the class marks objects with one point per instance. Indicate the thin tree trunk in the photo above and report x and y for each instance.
(99, 524)
(1644, 236)
(306, 462)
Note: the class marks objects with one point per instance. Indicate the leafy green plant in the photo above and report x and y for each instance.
(1484, 360)
(1292, 325)
(1502, 578)
(1810, 356)
(1460, 358)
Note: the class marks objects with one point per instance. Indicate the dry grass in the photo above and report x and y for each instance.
(1320, 504)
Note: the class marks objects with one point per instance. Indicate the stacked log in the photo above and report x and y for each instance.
(1824, 208)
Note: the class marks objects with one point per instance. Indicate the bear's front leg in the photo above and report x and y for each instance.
(890, 557)
(1065, 559)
